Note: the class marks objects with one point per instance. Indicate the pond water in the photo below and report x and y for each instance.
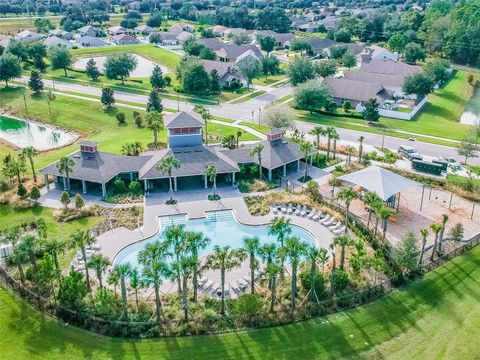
(23, 133)
(220, 227)
(471, 115)
(144, 66)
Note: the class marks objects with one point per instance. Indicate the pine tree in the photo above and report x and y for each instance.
(92, 70)
(154, 102)
(156, 79)
(107, 98)
(35, 82)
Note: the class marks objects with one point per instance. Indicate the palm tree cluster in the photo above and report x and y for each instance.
(382, 212)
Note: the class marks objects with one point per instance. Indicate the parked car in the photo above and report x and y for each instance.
(409, 153)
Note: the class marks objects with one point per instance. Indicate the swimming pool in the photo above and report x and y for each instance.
(221, 227)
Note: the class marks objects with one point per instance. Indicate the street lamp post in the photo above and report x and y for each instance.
(383, 138)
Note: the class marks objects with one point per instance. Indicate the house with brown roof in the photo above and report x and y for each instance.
(179, 27)
(227, 72)
(124, 39)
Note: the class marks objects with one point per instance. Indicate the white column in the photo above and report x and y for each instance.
(145, 185)
(298, 165)
(175, 183)
(84, 186)
(269, 174)
(104, 190)
(47, 184)
(233, 178)
(131, 176)
(64, 183)
(205, 179)
(285, 170)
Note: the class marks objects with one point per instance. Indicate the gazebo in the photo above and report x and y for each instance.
(386, 184)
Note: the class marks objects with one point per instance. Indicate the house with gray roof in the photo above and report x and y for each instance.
(375, 52)
(280, 38)
(53, 41)
(124, 39)
(90, 41)
(4, 41)
(355, 91)
(118, 30)
(94, 171)
(87, 30)
(226, 71)
(61, 34)
(318, 44)
(144, 30)
(27, 35)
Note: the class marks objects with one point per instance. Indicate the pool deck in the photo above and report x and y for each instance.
(115, 240)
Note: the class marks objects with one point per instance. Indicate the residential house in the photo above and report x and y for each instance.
(390, 67)
(4, 41)
(61, 34)
(228, 52)
(53, 41)
(227, 72)
(235, 32)
(144, 30)
(298, 21)
(173, 38)
(87, 30)
(219, 30)
(281, 38)
(124, 39)
(356, 92)
(374, 52)
(179, 27)
(331, 22)
(318, 44)
(27, 35)
(309, 27)
(90, 41)
(118, 30)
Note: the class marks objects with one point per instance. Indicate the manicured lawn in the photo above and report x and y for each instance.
(437, 317)
(155, 54)
(225, 130)
(270, 80)
(261, 128)
(252, 95)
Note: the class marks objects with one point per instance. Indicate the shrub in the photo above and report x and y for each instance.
(119, 186)
(21, 191)
(65, 199)
(135, 188)
(305, 280)
(79, 203)
(138, 121)
(120, 116)
(339, 280)
(168, 80)
(34, 193)
(248, 306)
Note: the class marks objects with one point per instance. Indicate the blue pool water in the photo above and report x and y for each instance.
(222, 229)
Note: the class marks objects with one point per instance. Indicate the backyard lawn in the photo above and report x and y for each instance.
(432, 318)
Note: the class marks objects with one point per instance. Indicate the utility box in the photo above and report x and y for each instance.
(428, 167)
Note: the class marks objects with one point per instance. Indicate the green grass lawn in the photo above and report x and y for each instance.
(262, 128)
(252, 95)
(224, 130)
(437, 317)
(270, 80)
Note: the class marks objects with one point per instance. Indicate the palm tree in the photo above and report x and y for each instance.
(360, 148)
(385, 212)
(423, 234)
(372, 200)
(205, 114)
(186, 267)
(307, 148)
(335, 137)
(54, 247)
(237, 137)
(31, 245)
(113, 280)
(436, 229)
(313, 256)
(135, 282)
(330, 132)
(30, 152)
(123, 272)
(153, 259)
(293, 249)
(98, 263)
(251, 246)
(166, 166)
(65, 166)
(332, 248)
(223, 259)
(257, 151)
(195, 241)
(175, 240)
(268, 253)
(280, 228)
(442, 232)
(347, 195)
(211, 174)
(11, 237)
(342, 241)
(318, 131)
(81, 239)
(154, 121)
(19, 257)
(350, 150)
(323, 258)
(273, 270)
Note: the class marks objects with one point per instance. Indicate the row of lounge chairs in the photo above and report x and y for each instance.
(337, 228)
(78, 263)
(232, 289)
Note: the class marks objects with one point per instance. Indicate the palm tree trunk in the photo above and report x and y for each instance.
(434, 247)
(342, 257)
(179, 285)
(260, 167)
(376, 227)
(99, 275)
(33, 169)
(328, 148)
(385, 224)
(420, 259)
(346, 218)
(313, 278)
(294, 287)
(136, 298)
(87, 278)
(206, 132)
(21, 272)
(222, 280)
(158, 303)
(252, 273)
(171, 186)
(185, 298)
(124, 297)
(369, 217)
(273, 291)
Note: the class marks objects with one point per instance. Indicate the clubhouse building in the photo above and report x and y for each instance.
(94, 171)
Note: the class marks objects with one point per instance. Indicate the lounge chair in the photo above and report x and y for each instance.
(303, 212)
(289, 208)
(215, 287)
(246, 278)
(283, 208)
(242, 284)
(335, 226)
(234, 286)
(331, 222)
(339, 231)
(312, 213)
(274, 208)
(208, 285)
(317, 216)
(202, 281)
(298, 209)
(326, 219)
